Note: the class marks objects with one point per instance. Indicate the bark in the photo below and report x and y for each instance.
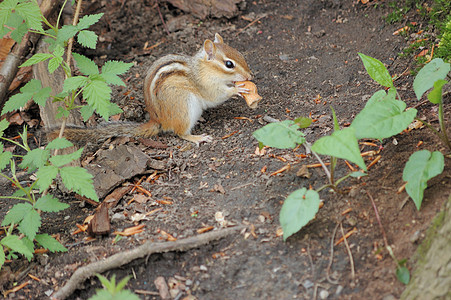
(205, 8)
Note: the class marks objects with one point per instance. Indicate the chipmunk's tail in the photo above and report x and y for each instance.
(99, 134)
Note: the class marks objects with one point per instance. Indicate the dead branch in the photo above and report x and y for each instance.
(122, 258)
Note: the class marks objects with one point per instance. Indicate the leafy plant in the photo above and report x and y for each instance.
(17, 17)
(112, 291)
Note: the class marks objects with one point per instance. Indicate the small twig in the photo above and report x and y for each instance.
(250, 24)
(148, 248)
(308, 147)
(384, 236)
(162, 19)
(315, 287)
(331, 257)
(351, 260)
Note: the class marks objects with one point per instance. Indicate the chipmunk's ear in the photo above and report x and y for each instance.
(210, 49)
(218, 39)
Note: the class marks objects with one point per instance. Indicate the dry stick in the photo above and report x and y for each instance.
(162, 19)
(250, 24)
(315, 287)
(331, 258)
(349, 252)
(122, 258)
(384, 236)
(11, 64)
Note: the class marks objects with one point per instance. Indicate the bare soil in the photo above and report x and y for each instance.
(304, 57)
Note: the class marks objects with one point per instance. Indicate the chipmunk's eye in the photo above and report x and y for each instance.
(229, 64)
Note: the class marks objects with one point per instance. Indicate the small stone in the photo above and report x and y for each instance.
(415, 236)
(307, 284)
(339, 290)
(203, 268)
(323, 294)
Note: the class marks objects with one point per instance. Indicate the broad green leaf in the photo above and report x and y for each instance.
(59, 143)
(97, 94)
(299, 208)
(381, 96)
(6, 8)
(62, 112)
(46, 175)
(86, 112)
(31, 13)
(35, 159)
(116, 67)
(54, 63)
(88, 20)
(342, 144)
(41, 96)
(403, 275)
(31, 90)
(19, 32)
(2, 256)
(16, 102)
(87, 38)
(303, 122)
(334, 117)
(4, 124)
(17, 213)
(280, 135)
(357, 174)
(376, 70)
(64, 159)
(114, 109)
(121, 284)
(421, 166)
(50, 243)
(74, 83)
(112, 79)
(65, 33)
(48, 203)
(5, 157)
(30, 224)
(38, 57)
(17, 245)
(435, 96)
(79, 180)
(436, 69)
(29, 244)
(85, 65)
(382, 119)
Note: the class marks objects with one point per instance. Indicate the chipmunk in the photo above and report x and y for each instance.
(177, 89)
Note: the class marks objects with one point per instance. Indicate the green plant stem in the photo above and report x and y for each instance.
(308, 147)
(59, 14)
(11, 197)
(13, 142)
(442, 125)
(17, 184)
(442, 136)
(41, 32)
(332, 186)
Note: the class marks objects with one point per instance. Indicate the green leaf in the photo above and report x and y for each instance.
(86, 112)
(59, 143)
(4, 124)
(78, 180)
(357, 174)
(436, 69)
(50, 243)
(403, 275)
(48, 203)
(31, 13)
(87, 38)
(376, 70)
(19, 32)
(35, 159)
(6, 8)
(334, 117)
(116, 67)
(32, 89)
(421, 166)
(5, 157)
(2, 257)
(299, 208)
(382, 119)
(65, 33)
(74, 83)
(97, 95)
(30, 224)
(303, 122)
(380, 96)
(121, 284)
(46, 175)
(114, 109)
(64, 159)
(280, 135)
(112, 79)
(16, 102)
(342, 144)
(54, 63)
(38, 57)
(17, 245)
(85, 65)
(41, 96)
(17, 213)
(435, 96)
(88, 20)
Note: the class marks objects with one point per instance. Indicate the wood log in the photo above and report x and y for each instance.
(206, 8)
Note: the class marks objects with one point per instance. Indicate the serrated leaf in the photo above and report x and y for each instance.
(50, 243)
(2, 257)
(421, 166)
(28, 91)
(41, 96)
(298, 209)
(85, 65)
(4, 124)
(383, 119)
(116, 67)
(34, 159)
(74, 83)
(376, 70)
(88, 20)
(16, 213)
(48, 203)
(17, 245)
(78, 180)
(403, 275)
(31, 13)
(65, 33)
(280, 135)
(86, 112)
(435, 96)
(64, 159)
(46, 175)
(54, 63)
(38, 57)
(97, 94)
(114, 109)
(30, 224)
(18, 33)
(112, 79)
(436, 69)
(59, 143)
(342, 144)
(5, 158)
(6, 8)
(87, 38)
(16, 102)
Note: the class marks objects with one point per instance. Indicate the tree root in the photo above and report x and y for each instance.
(122, 258)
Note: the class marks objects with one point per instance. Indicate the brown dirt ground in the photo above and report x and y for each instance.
(299, 51)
